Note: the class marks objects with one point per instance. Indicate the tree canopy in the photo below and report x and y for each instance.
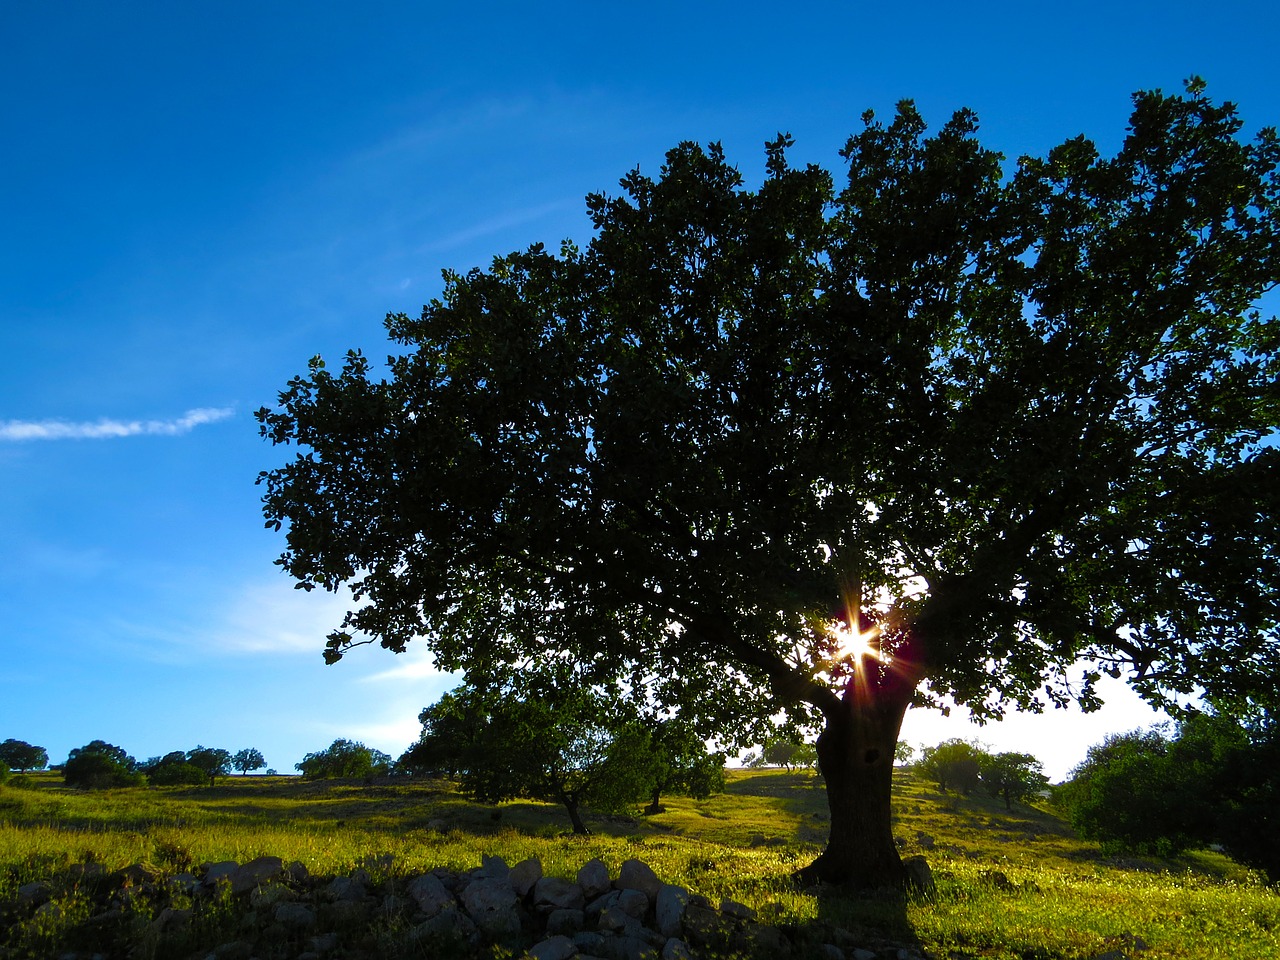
(1213, 780)
(99, 765)
(344, 759)
(22, 756)
(250, 758)
(997, 419)
(576, 748)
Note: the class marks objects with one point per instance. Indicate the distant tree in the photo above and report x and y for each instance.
(903, 752)
(213, 761)
(172, 770)
(682, 764)
(952, 763)
(1248, 821)
(1131, 797)
(344, 759)
(806, 756)
(1215, 780)
(1011, 776)
(573, 750)
(99, 765)
(22, 756)
(4, 771)
(248, 759)
(781, 753)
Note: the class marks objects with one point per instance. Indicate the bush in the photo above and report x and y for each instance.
(344, 758)
(176, 774)
(952, 763)
(23, 756)
(98, 766)
(97, 771)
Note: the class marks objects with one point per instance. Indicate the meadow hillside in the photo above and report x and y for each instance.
(1010, 885)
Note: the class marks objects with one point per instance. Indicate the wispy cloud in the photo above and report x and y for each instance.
(106, 429)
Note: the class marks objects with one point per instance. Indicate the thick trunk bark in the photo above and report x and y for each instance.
(575, 817)
(655, 806)
(855, 755)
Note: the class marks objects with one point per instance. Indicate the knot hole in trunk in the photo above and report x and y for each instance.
(872, 755)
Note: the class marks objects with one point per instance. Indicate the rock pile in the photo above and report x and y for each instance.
(279, 911)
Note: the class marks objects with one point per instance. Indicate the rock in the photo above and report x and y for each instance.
(829, 951)
(262, 897)
(669, 909)
(491, 904)
(524, 875)
(450, 926)
(593, 878)
(213, 872)
(36, 893)
(919, 880)
(347, 913)
(299, 916)
(553, 948)
(324, 943)
(676, 949)
(567, 922)
(703, 926)
(861, 954)
(637, 875)
(430, 894)
(346, 888)
(634, 903)
(439, 826)
(134, 875)
(552, 893)
(495, 868)
(614, 919)
(739, 911)
(925, 841)
(602, 903)
(628, 947)
(255, 873)
(589, 942)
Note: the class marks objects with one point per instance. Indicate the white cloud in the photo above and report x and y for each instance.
(105, 429)
(507, 221)
(272, 617)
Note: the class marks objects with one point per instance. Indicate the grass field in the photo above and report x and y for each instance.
(1011, 885)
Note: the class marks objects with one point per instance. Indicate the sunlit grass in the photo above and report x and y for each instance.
(1012, 885)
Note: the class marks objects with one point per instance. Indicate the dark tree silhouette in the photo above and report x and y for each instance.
(22, 756)
(999, 419)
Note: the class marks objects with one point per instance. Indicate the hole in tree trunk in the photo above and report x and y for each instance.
(872, 756)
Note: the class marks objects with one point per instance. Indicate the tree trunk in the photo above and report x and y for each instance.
(855, 754)
(655, 806)
(575, 817)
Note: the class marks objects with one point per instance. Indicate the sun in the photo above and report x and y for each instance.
(854, 644)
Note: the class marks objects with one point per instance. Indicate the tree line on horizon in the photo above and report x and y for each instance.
(1211, 780)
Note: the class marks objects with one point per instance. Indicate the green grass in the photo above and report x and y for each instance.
(1012, 885)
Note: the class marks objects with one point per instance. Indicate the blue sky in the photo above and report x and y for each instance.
(197, 197)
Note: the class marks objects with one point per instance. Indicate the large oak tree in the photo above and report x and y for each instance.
(1005, 420)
